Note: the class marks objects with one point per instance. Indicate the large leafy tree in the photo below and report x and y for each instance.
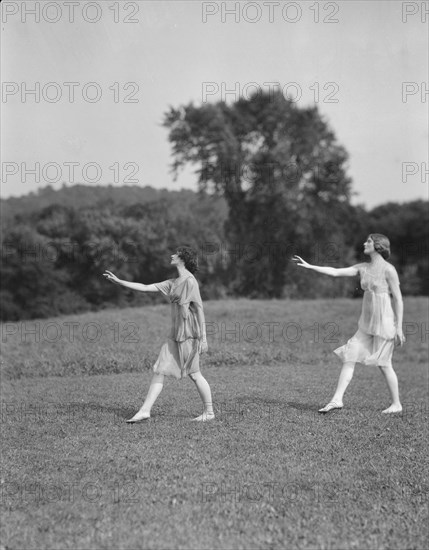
(281, 171)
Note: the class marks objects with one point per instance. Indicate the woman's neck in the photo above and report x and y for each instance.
(376, 258)
(181, 270)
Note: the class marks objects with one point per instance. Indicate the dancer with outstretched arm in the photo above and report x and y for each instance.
(380, 326)
(180, 355)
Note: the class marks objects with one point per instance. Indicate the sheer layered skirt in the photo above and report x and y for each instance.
(373, 343)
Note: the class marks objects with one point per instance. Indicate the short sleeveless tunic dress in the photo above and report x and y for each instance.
(374, 341)
(179, 355)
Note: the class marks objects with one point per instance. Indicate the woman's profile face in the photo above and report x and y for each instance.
(176, 259)
(368, 246)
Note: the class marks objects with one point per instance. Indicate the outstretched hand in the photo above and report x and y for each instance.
(299, 261)
(111, 277)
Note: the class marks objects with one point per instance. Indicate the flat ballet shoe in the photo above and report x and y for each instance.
(330, 407)
(138, 417)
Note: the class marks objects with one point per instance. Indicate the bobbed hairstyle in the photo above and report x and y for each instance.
(190, 258)
(381, 244)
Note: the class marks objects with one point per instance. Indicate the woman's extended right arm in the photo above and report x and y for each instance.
(134, 286)
(332, 271)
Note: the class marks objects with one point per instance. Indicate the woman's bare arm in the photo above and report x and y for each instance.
(134, 286)
(202, 323)
(202, 346)
(332, 271)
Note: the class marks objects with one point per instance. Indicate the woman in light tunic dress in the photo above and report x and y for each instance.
(180, 355)
(379, 325)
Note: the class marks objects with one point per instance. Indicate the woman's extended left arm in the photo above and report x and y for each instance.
(398, 304)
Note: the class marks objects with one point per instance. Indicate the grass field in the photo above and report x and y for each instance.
(268, 473)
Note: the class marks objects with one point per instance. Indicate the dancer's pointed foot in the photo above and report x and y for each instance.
(393, 409)
(140, 415)
(204, 417)
(331, 406)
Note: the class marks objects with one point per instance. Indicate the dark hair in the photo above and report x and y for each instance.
(381, 244)
(189, 256)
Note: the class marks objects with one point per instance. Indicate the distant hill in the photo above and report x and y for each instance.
(81, 196)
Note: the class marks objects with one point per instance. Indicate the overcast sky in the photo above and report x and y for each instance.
(361, 62)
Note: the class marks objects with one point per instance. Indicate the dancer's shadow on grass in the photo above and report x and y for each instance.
(285, 405)
(311, 407)
(279, 404)
(122, 413)
(116, 411)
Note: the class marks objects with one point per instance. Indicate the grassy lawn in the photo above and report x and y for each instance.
(269, 472)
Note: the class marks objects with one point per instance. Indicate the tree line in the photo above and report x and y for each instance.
(53, 257)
